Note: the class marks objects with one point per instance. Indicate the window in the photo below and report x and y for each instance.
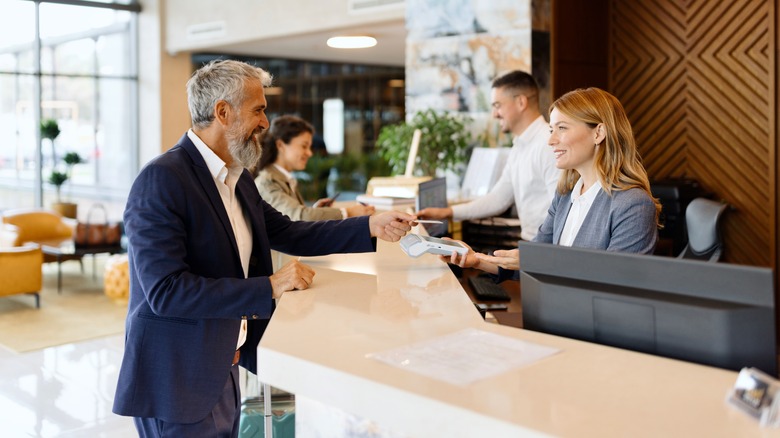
(79, 69)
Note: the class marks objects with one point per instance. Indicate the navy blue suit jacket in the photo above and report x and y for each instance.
(188, 293)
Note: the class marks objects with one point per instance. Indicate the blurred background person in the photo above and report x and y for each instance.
(287, 147)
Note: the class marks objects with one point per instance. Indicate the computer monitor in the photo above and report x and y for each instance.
(484, 168)
(433, 193)
(711, 313)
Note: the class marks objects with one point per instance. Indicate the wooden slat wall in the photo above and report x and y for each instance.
(697, 79)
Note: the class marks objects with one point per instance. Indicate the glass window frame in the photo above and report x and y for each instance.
(94, 190)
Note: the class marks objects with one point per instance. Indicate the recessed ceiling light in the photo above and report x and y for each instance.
(351, 42)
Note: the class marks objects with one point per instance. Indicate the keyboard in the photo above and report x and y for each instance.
(485, 289)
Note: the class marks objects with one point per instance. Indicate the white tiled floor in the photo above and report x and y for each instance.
(64, 391)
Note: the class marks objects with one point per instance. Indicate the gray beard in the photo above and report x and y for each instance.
(244, 152)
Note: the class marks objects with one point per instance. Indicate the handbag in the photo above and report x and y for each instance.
(103, 233)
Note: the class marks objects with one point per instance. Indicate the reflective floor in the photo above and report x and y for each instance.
(64, 391)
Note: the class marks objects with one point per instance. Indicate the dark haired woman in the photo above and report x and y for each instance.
(286, 148)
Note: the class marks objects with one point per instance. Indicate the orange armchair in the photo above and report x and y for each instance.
(38, 225)
(20, 266)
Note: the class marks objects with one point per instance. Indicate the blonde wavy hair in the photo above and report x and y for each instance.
(618, 164)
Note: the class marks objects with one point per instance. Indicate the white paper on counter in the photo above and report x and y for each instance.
(466, 356)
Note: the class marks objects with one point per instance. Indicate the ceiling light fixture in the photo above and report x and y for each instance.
(351, 42)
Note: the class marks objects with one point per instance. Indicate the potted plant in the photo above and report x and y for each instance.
(315, 177)
(50, 130)
(346, 174)
(444, 142)
(375, 165)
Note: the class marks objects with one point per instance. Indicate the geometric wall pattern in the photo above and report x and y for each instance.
(697, 79)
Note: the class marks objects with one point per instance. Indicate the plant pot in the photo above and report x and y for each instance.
(66, 209)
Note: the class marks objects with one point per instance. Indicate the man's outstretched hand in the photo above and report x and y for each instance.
(391, 225)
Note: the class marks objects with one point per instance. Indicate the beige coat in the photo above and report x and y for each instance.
(275, 190)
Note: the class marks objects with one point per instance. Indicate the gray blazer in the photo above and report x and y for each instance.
(624, 221)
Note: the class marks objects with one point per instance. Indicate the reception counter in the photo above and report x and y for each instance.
(322, 345)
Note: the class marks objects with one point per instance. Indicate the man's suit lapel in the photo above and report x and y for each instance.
(207, 183)
(248, 196)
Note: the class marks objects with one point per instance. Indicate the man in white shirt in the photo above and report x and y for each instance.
(530, 177)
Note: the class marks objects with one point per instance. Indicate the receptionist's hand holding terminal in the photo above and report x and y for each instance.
(470, 259)
(506, 259)
(416, 245)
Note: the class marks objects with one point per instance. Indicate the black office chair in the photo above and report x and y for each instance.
(702, 220)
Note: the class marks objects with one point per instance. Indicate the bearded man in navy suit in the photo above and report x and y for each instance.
(202, 287)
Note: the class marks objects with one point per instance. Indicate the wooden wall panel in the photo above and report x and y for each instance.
(579, 46)
(697, 80)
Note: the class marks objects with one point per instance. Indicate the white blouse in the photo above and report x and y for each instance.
(580, 205)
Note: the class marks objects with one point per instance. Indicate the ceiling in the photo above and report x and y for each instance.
(390, 48)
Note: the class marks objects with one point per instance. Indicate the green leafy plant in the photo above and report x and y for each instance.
(348, 175)
(375, 165)
(57, 179)
(50, 130)
(315, 177)
(71, 159)
(443, 145)
(339, 173)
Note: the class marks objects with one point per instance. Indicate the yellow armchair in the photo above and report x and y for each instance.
(20, 267)
(36, 225)
(39, 225)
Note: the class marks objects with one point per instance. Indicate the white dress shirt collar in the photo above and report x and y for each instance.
(215, 164)
(290, 178)
(580, 206)
(284, 171)
(589, 195)
(531, 131)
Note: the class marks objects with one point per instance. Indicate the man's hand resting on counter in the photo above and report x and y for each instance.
(291, 276)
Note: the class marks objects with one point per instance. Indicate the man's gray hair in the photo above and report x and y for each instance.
(220, 80)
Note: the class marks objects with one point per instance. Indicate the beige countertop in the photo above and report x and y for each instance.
(319, 341)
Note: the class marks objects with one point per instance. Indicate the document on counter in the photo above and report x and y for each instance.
(466, 356)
